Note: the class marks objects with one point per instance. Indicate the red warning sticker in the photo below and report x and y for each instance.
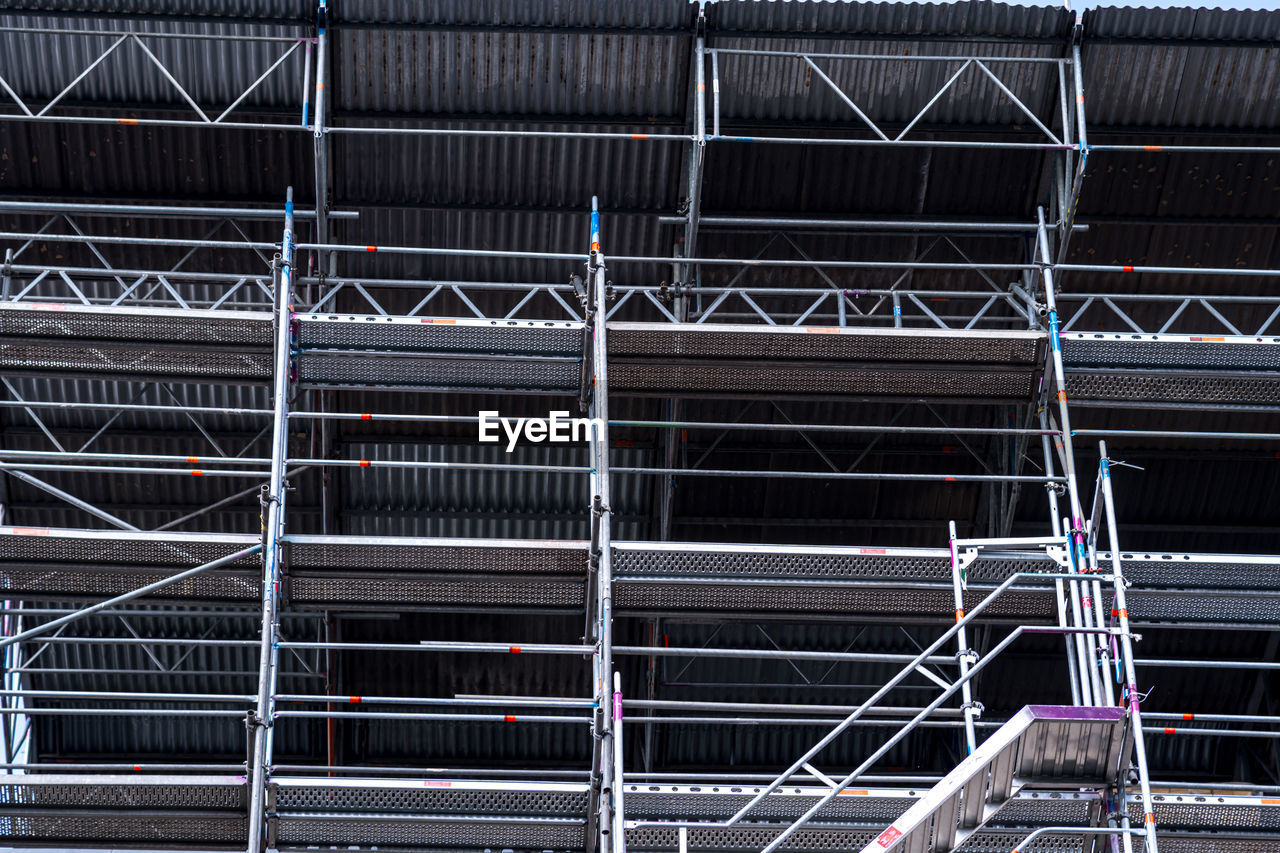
(889, 836)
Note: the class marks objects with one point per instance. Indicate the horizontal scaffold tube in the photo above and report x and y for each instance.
(464, 718)
(129, 469)
(130, 407)
(166, 211)
(684, 472)
(709, 425)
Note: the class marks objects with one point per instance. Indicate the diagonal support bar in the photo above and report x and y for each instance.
(83, 74)
(272, 532)
(263, 76)
(128, 596)
(848, 101)
(1017, 102)
(165, 71)
(69, 498)
(945, 86)
(4, 84)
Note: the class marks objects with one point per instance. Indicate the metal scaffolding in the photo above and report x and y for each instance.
(236, 351)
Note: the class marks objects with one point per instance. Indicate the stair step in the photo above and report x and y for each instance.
(1041, 743)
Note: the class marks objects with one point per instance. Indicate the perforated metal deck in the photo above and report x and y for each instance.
(123, 792)
(109, 810)
(1228, 369)
(1178, 842)
(439, 353)
(744, 579)
(1211, 811)
(822, 343)
(41, 357)
(427, 813)
(436, 573)
(535, 556)
(439, 335)
(1146, 385)
(1229, 352)
(58, 338)
(1204, 823)
(1197, 571)
(817, 379)
(429, 796)
(736, 597)
(471, 814)
(822, 361)
(40, 562)
(121, 547)
(798, 562)
(61, 320)
(405, 370)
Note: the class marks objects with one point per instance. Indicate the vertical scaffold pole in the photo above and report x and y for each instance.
(272, 530)
(619, 834)
(1076, 533)
(321, 138)
(690, 274)
(306, 85)
(609, 807)
(1058, 587)
(962, 645)
(1126, 652)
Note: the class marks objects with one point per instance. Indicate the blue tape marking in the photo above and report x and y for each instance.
(304, 114)
(288, 208)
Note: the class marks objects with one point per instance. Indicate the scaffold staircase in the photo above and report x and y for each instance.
(1080, 746)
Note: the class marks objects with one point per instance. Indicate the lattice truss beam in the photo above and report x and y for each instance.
(166, 78)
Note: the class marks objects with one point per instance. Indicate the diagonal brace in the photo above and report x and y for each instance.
(128, 596)
(848, 101)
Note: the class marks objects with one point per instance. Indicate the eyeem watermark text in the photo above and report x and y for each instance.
(557, 427)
